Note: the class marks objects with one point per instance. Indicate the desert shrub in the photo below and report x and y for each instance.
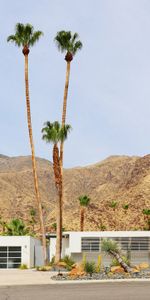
(90, 267)
(69, 262)
(23, 267)
(52, 262)
(43, 268)
(116, 263)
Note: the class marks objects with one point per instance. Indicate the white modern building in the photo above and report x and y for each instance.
(18, 250)
(135, 244)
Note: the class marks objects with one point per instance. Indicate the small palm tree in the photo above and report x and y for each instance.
(111, 247)
(16, 227)
(125, 207)
(32, 220)
(146, 213)
(3, 224)
(25, 37)
(55, 133)
(84, 201)
(113, 204)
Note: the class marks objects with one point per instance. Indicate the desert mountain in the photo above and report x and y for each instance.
(123, 179)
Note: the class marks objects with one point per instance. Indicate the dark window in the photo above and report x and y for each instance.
(14, 254)
(141, 243)
(3, 249)
(15, 249)
(10, 257)
(90, 244)
(3, 254)
(3, 266)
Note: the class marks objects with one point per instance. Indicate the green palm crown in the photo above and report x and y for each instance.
(68, 43)
(25, 36)
(84, 200)
(54, 132)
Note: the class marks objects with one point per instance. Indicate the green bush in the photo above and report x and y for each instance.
(52, 262)
(23, 267)
(115, 262)
(69, 262)
(90, 267)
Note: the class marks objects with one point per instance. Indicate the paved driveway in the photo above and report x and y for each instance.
(91, 291)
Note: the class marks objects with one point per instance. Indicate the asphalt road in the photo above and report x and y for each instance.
(91, 291)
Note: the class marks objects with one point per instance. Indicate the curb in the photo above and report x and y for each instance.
(100, 281)
(69, 282)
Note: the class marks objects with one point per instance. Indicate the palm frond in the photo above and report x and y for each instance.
(67, 42)
(54, 132)
(14, 39)
(77, 46)
(24, 35)
(35, 38)
(84, 200)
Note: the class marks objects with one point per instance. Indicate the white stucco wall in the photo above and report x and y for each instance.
(65, 247)
(72, 243)
(27, 245)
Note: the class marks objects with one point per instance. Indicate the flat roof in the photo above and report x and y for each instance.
(103, 234)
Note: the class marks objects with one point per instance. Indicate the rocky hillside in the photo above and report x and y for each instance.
(123, 179)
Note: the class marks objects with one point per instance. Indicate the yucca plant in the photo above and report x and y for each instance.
(112, 248)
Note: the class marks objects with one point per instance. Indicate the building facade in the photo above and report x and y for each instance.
(134, 244)
(19, 250)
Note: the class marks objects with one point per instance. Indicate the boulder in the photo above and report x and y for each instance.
(117, 269)
(143, 266)
(77, 271)
(135, 270)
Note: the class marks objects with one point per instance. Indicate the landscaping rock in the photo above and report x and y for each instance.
(77, 271)
(117, 269)
(143, 266)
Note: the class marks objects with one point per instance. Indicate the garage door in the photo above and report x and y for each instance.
(10, 257)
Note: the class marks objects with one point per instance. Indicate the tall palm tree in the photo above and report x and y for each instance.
(26, 37)
(84, 202)
(69, 44)
(55, 133)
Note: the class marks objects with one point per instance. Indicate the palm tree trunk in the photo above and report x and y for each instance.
(36, 186)
(82, 219)
(64, 108)
(58, 184)
(62, 143)
(58, 231)
(121, 262)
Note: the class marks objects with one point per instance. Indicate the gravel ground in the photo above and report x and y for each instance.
(103, 275)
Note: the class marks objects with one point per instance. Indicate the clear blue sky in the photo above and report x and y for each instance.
(109, 93)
